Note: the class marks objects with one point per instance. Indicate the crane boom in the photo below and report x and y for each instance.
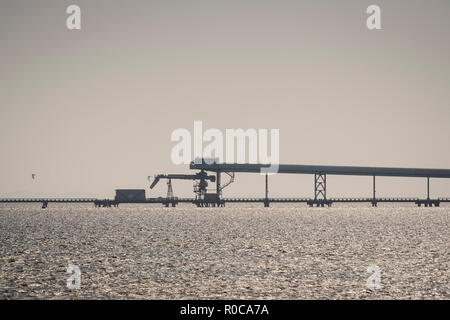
(198, 176)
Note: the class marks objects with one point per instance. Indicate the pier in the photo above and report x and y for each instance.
(173, 202)
(207, 198)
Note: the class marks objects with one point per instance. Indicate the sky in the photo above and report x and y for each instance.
(92, 110)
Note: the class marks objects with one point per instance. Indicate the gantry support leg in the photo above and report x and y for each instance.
(374, 199)
(320, 186)
(266, 200)
(169, 189)
(428, 202)
(218, 191)
(218, 183)
(320, 189)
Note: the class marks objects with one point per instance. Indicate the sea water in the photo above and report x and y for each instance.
(237, 252)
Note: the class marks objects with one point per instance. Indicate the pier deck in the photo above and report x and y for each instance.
(174, 201)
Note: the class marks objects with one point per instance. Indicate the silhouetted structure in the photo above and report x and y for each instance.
(320, 178)
(214, 199)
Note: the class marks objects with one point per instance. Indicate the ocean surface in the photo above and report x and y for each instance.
(251, 252)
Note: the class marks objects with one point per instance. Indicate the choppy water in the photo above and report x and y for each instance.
(136, 252)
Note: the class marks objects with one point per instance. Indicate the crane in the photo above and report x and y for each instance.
(199, 188)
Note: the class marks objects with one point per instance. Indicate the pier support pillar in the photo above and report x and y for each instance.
(428, 188)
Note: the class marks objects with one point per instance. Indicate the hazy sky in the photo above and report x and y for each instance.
(90, 111)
